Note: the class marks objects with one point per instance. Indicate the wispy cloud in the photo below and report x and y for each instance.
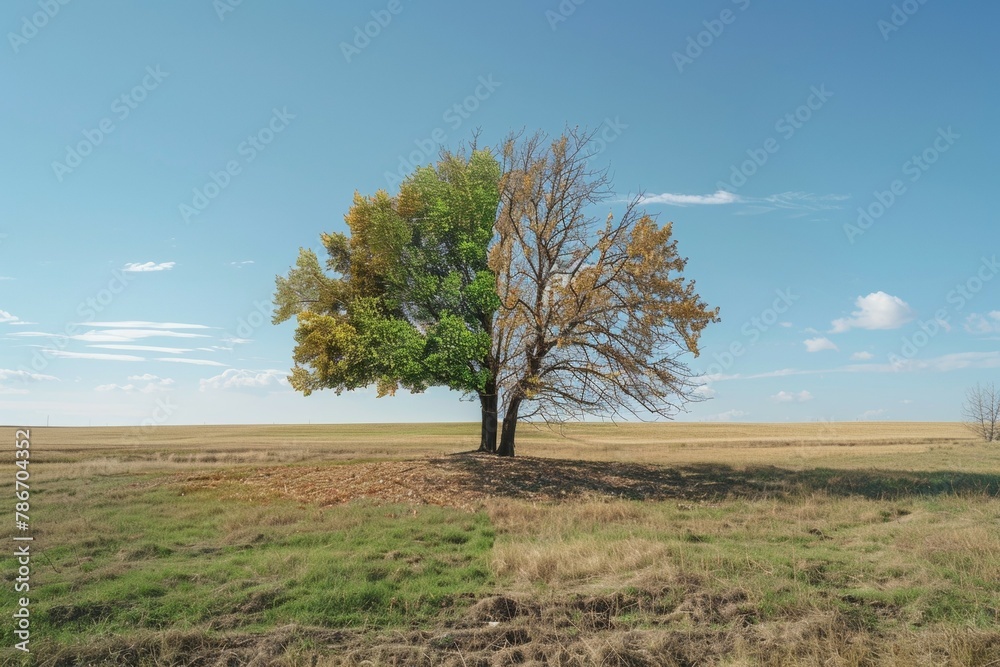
(871, 415)
(862, 356)
(942, 364)
(193, 362)
(7, 374)
(144, 348)
(141, 324)
(111, 335)
(62, 354)
(671, 199)
(245, 379)
(136, 267)
(819, 344)
(7, 318)
(799, 202)
(240, 265)
(878, 310)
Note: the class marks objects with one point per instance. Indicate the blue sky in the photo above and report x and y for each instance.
(827, 166)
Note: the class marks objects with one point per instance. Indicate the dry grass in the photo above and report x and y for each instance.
(903, 445)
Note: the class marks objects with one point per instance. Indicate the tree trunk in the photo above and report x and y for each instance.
(488, 432)
(509, 427)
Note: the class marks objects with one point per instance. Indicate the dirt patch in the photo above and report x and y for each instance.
(468, 480)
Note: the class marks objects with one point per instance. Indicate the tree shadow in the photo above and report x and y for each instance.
(533, 478)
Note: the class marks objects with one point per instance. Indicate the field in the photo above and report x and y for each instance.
(636, 544)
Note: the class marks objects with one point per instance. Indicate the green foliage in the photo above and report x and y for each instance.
(410, 300)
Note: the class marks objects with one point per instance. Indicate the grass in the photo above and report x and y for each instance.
(132, 554)
(833, 544)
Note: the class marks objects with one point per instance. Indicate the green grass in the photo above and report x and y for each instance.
(116, 555)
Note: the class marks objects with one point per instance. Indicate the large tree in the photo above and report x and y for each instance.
(595, 315)
(495, 278)
(410, 302)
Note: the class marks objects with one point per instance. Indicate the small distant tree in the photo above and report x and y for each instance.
(981, 411)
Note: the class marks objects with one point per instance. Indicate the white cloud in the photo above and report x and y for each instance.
(194, 362)
(792, 397)
(862, 356)
(24, 376)
(976, 323)
(719, 197)
(727, 416)
(870, 415)
(149, 377)
(111, 335)
(7, 318)
(245, 379)
(704, 391)
(135, 267)
(128, 388)
(240, 265)
(819, 344)
(787, 325)
(153, 384)
(236, 341)
(61, 354)
(878, 310)
(139, 324)
(144, 348)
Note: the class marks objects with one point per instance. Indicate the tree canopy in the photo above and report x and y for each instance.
(595, 315)
(489, 273)
(411, 301)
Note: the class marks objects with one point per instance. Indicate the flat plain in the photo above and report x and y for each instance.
(600, 544)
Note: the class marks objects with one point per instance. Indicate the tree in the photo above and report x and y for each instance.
(981, 411)
(594, 318)
(411, 301)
